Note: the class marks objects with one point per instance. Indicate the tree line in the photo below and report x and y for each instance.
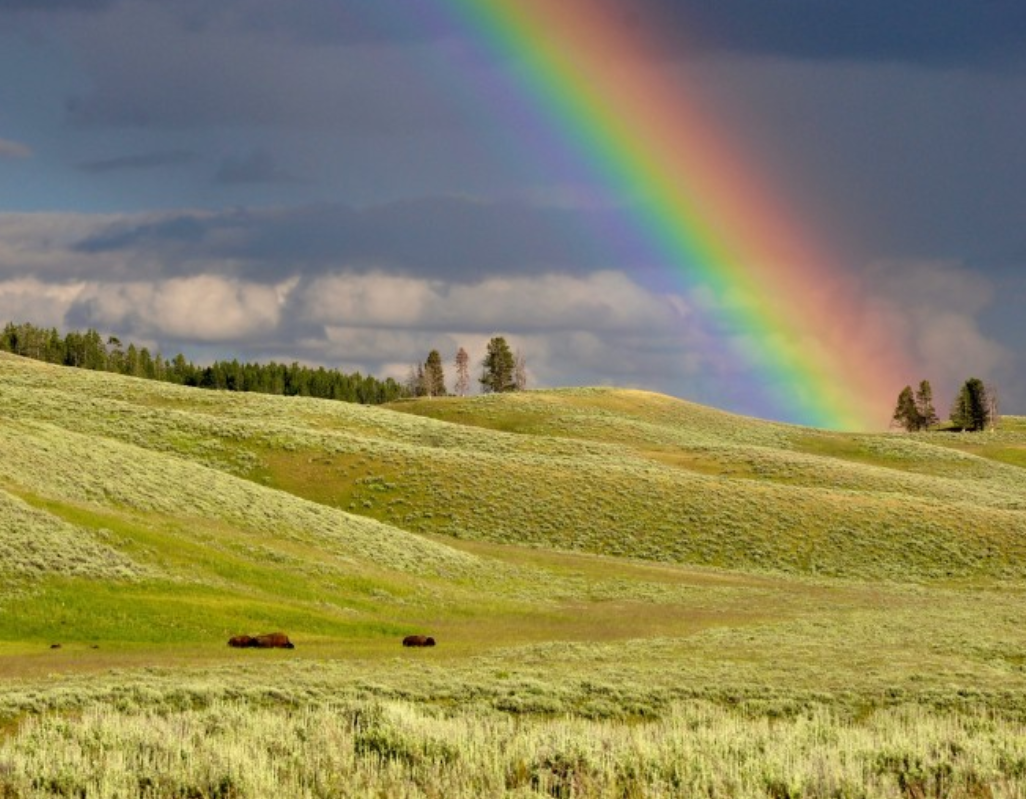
(501, 370)
(89, 350)
(975, 407)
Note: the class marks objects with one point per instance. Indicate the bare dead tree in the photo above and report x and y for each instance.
(993, 406)
(462, 373)
(519, 371)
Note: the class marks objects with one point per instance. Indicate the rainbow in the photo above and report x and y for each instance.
(813, 349)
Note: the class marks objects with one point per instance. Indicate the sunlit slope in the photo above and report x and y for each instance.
(701, 437)
(616, 472)
(105, 540)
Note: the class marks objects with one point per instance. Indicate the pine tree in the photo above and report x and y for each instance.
(924, 406)
(498, 367)
(434, 377)
(971, 410)
(462, 386)
(905, 413)
(422, 382)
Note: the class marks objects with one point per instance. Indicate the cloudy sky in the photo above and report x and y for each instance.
(336, 182)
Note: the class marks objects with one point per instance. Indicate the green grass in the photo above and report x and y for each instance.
(609, 574)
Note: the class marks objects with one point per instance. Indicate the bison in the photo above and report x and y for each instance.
(418, 640)
(266, 641)
(273, 641)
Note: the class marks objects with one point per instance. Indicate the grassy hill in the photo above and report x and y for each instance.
(614, 472)
(604, 552)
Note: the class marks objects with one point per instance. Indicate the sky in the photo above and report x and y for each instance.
(352, 183)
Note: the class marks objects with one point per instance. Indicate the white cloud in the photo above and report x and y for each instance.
(41, 304)
(600, 301)
(205, 308)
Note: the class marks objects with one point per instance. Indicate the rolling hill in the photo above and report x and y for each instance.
(145, 514)
(601, 552)
(606, 471)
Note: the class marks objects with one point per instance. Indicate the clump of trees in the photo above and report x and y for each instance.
(975, 407)
(502, 369)
(427, 379)
(915, 411)
(90, 351)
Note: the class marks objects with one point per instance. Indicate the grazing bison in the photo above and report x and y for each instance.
(266, 641)
(273, 641)
(418, 640)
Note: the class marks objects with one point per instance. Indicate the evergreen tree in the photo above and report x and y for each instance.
(498, 367)
(905, 413)
(115, 356)
(434, 376)
(147, 368)
(95, 352)
(179, 370)
(130, 365)
(462, 386)
(971, 410)
(422, 381)
(924, 406)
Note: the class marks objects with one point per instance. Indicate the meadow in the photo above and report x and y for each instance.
(633, 596)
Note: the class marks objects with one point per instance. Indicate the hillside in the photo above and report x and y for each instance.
(597, 470)
(135, 513)
(615, 555)
(141, 511)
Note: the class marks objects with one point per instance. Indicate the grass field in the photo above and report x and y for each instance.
(633, 596)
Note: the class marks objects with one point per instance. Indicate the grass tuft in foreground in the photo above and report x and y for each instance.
(372, 748)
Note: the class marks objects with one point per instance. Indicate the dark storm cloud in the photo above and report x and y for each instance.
(53, 5)
(932, 32)
(380, 68)
(257, 167)
(446, 238)
(130, 163)
(160, 67)
(322, 22)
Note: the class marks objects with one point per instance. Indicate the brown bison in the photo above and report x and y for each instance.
(266, 641)
(273, 641)
(418, 640)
